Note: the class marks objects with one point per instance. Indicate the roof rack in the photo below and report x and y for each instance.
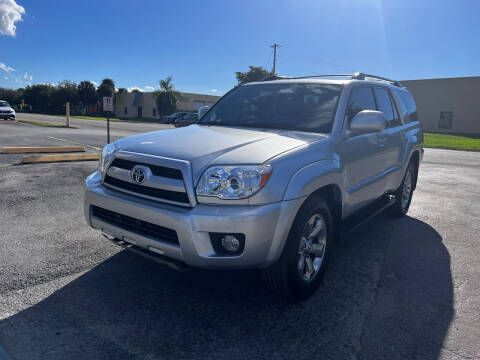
(362, 76)
(356, 76)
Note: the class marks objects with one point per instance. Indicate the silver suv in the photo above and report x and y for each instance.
(267, 179)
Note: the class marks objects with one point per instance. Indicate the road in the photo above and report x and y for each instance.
(396, 288)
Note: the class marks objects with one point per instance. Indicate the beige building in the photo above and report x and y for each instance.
(143, 104)
(450, 105)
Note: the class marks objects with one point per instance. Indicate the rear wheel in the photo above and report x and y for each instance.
(298, 272)
(404, 193)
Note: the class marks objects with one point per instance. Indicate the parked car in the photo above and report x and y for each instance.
(6, 111)
(171, 119)
(186, 120)
(268, 178)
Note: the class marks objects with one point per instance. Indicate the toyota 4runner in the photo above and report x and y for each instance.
(266, 179)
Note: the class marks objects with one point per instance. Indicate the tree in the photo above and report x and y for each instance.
(63, 92)
(106, 88)
(14, 97)
(40, 97)
(167, 97)
(254, 74)
(122, 91)
(86, 92)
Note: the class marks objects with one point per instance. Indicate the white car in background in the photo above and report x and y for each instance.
(6, 111)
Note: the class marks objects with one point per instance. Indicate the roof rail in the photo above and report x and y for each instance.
(317, 76)
(274, 77)
(356, 76)
(362, 76)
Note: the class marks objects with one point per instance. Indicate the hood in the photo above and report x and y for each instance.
(5, 108)
(216, 145)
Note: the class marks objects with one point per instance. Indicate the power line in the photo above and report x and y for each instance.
(268, 60)
(332, 63)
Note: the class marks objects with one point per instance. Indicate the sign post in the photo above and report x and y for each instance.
(67, 114)
(108, 107)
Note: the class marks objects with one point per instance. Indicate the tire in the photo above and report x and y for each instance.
(286, 276)
(404, 193)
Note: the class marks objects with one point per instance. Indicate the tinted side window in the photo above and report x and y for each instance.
(385, 105)
(407, 105)
(395, 112)
(411, 107)
(361, 99)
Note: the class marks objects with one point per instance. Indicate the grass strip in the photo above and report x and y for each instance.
(41, 123)
(452, 142)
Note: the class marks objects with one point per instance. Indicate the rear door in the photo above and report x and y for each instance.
(390, 139)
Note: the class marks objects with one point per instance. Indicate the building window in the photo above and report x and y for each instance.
(446, 119)
(154, 112)
(125, 111)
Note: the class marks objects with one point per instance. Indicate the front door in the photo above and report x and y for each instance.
(360, 155)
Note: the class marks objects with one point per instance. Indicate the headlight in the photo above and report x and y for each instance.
(107, 153)
(233, 182)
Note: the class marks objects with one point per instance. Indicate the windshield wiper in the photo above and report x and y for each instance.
(250, 125)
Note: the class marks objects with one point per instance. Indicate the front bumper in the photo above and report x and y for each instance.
(7, 116)
(265, 227)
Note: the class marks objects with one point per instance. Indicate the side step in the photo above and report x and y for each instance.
(171, 263)
(365, 215)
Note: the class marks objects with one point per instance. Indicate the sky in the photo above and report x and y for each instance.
(202, 43)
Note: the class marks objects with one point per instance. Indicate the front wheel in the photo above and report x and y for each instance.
(298, 272)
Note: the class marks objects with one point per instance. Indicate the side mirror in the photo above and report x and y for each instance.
(368, 121)
(201, 111)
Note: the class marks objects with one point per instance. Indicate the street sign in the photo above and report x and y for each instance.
(107, 103)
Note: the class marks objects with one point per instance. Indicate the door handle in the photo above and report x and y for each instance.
(381, 140)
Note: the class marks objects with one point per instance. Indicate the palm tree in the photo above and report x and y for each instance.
(167, 97)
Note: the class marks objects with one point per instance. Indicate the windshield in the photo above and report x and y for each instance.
(289, 106)
(4, 104)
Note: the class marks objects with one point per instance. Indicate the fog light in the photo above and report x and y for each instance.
(230, 243)
(225, 244)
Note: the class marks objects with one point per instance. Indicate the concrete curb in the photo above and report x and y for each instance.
(41, 149)
(8, 121)
(59, 158)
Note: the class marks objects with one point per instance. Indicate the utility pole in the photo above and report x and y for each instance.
(274, 46)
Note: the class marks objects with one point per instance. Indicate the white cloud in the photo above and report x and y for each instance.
(94, 83)
(149, 88)
(213, 90)
(25, 76)
(10, 13)
(31, 77)
(6, 77)
(130, 89)
(5, 67)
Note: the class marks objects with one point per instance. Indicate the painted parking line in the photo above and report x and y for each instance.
(73, 142)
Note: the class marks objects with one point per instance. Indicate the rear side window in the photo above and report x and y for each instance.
(385, 105)
(361, 99)
(407, 106)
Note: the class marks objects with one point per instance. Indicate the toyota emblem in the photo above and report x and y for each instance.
(138, 174)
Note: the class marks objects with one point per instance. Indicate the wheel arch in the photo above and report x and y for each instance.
(323, 179)
(415, 159)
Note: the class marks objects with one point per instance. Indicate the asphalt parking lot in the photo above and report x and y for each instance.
(396, 288)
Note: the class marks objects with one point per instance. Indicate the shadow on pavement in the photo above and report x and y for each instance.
(387, 294)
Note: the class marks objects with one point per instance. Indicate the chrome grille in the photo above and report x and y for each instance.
(163, 183)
